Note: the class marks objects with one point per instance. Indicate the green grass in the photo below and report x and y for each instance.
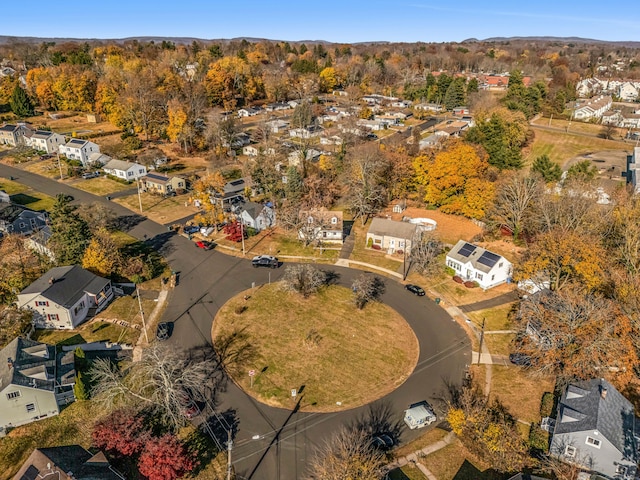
(495, 318)
(23, 195)
(432, 436)
(361, 253)
(360, 355)
(71, 427)
(101, 186)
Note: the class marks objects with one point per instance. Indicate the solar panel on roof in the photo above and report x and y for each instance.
(466, 250)
(489, 259)
(76, 141)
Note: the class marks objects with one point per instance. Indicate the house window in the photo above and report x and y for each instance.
(377, 241)
(53, 317)
(493, 277)
(130, 174)
(79, 307)
(40, 303)
(22, 224)
(334, 220)
(310, 220)
(594, 442)
(500, 265)
(570, 451)
(11, 395)
(30, 407)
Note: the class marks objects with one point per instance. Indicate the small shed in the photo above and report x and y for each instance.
(419, 416)
(93, 118)
(399, 206)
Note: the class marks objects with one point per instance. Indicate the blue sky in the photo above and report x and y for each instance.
(331, 20)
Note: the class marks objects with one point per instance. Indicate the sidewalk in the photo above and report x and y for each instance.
(416, 456)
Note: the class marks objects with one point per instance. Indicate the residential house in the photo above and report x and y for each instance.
(274, 107)
(596, 430)
(612, 117)
(156, 183)
(250, 150)
(15, 135)
(628, 92)
(387, 120)
(373, 125)
(45, 141)
(4, 197)
(391, 235)
(248, 112)
(97, 160)
(69, 462)
(239, 140)
(76, 149)
(15, 218)
(277, 126)
(429, 107)
(125, 170)
(64, 297)
(306, 132)
(257, 216)
(402, 104)
(399, 206)
(433, 140)
(474, 263)
(460, 111)
(235, 189)
(333, 140)
(591, 108)
(34, 382)
(633, 169)
(312, 155)
(39, 241)
(588, 87)
(321, 225)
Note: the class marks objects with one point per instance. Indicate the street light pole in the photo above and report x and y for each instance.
(144, 323)
(481, 340)
(60, 166)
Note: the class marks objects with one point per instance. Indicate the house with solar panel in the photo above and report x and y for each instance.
(474, 263)
(76, 149)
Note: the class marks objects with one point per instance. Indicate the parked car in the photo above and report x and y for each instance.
(206, 231)
(189, 229)
(415, 289)
(382, 442)
(164, 330)
(203, 244)
(189, 408)
(88, 175)
(172, 193)
(265, 261)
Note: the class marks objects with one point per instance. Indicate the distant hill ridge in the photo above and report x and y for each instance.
(6, 39)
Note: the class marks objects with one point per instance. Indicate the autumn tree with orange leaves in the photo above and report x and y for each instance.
(456, 180)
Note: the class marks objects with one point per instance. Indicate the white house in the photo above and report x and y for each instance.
(34, 382)
(248, 112)
(306, 132)
(257, 216)
(63, 297)
(474, 263)
(633, 169)
(45, 141)
(591, 108)
(390, 235)
(429, 107)
(628, 92)
(250, 150)
(277, 126)
(321, 225)
(125, 170)
(76, 149)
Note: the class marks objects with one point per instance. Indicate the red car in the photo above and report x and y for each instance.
(204, 244)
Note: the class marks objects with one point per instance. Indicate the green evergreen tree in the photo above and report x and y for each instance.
(583, 171)
(294, 187)
(455, 96)
(20, 103)
(548, 170)
(70, 234)
(472, 86)
(496, 137)
(79, 388)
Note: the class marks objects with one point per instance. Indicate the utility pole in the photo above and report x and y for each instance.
(229, 447)
(60, 166)
(242, 235)
(144, 324)
(481, 340)
(139, 196)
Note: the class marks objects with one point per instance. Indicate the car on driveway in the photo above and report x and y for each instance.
(415, 289)
(264, 261)
(88, 175)
(191, 229)
(163, 332)
(203, 244)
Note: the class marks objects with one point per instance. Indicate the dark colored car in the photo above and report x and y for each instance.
(520, 359)
(264, 261)
(88, 175)
(382, 442)
(172, 193)
(415, 289)
(205, 245)
(163, 332)
(191, 229)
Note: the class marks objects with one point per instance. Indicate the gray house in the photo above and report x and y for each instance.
(14, 135)
(596, 429)
(258, 216)
(69, 462)
(34, 382)
(64, 297)
(390, 235)
(18, 219)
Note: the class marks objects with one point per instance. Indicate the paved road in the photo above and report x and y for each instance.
(286, 441)
(503, 299)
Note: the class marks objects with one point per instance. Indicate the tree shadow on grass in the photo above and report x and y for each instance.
(469, 471)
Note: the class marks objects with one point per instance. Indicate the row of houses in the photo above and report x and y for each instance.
(590, 108)
(625, 90)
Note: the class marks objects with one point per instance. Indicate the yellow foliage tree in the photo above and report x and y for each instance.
(457, 420)
(328, 79)
(177, 122)
(102, 255)
(205, 189)
(454, 180)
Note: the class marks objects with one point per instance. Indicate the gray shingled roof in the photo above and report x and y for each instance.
(26, 355)
(70, 283)
(115, 164)
(8, 128)
(391, 228)
(583, 408)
